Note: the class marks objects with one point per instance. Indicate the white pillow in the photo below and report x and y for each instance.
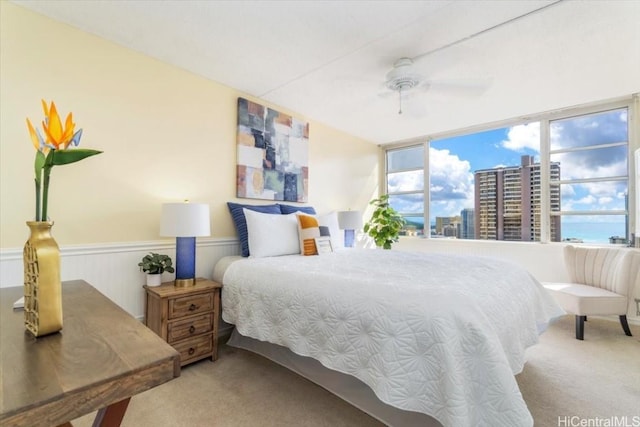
(337, 236)
(271, 234)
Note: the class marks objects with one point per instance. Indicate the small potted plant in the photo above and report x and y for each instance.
(385, 223)
(154, 265)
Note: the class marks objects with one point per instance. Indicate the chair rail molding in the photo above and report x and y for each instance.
(112, 268)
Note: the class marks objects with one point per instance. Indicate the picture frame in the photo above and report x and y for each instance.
(272, 154)
(323, 245)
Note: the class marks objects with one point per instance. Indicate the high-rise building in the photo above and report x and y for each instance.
(508, 202)
(468, 226)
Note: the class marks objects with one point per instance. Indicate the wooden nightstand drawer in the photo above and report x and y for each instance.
(194, 348)
(190, 304)
(192, 326)
(186, 317)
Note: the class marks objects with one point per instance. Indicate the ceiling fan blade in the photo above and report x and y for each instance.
(466, 86)
(404, 82)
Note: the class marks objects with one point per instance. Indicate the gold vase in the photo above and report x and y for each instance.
(42, 286)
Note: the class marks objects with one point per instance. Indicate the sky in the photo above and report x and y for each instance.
(454, 160)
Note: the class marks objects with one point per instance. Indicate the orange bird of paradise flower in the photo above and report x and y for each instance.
(57, 136)
(52, 151)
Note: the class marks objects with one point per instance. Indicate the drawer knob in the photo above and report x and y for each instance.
(191, 351)
(193, 307)
(192, 329)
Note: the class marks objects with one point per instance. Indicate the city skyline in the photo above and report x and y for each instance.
(454, 160)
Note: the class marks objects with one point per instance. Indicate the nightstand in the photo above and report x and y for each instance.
(186, 317)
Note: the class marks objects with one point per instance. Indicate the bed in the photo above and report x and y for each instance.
(426, 339)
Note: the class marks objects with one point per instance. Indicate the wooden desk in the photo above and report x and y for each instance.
(101, 358)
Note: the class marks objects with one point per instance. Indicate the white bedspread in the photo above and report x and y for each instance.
(438, 334)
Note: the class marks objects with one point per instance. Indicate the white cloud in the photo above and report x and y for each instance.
(588, 200)
(555, 135)
(602, 189)
(593, 196)
(451, 183)
(567, 191)
(406, 181)
(523, 136)
(605, 200)
(623, 116)
(614, 169)
(578, 166)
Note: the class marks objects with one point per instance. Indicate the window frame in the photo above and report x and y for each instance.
(386, 173)
(632, 104)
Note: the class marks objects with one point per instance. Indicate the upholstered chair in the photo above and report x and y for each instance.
(601, 282)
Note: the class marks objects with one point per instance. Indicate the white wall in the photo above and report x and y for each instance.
(167, 135)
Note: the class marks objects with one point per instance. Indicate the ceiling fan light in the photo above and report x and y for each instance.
(403, 83)
(402, 76)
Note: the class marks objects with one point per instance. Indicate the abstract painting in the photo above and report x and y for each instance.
(273, 154)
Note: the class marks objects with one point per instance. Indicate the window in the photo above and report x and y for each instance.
(405, 186)
(593, 152)
(486, 184)
(561, 177)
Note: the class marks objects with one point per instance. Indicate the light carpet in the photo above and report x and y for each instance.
(564, 381)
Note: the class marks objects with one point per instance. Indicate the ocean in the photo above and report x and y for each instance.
(593, 232)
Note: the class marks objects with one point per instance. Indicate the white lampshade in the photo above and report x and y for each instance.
(350, 220)
(185, 220)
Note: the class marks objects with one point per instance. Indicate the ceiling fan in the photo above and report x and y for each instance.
(404, 79)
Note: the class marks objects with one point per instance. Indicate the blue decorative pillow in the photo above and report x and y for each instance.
(241, 222)
(289, 209)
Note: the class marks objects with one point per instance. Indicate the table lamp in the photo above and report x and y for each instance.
(349, 221)
(185, 221)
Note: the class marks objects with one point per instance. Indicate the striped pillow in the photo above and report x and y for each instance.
(308, 230)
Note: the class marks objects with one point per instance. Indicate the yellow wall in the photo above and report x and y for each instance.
(167, 134)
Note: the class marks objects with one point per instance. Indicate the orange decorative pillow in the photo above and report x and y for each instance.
(308, 230)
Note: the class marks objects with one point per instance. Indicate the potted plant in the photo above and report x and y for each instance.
(154, 265)
(385, 223)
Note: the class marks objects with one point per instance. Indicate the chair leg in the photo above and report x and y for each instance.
(580, 327)
(625, 325)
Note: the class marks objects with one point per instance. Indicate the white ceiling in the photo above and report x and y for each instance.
(487, 60)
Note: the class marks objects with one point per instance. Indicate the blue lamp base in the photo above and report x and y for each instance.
(185, 261)
(349, 238)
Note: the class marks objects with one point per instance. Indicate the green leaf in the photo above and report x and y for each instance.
(64, 157)
(385, 223)
(154, 263)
